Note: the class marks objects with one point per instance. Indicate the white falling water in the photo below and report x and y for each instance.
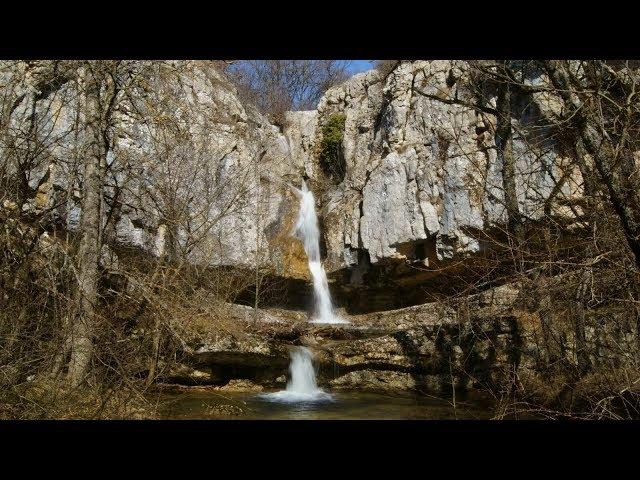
(307, 228)
(302, 386)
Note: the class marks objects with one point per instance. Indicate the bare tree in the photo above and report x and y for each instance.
(504, 143)
(275, 86)
(602, 108)
(100, 89)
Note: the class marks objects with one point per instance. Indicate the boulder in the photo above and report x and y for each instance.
(374, 380)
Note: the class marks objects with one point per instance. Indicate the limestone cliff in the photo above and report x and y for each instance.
(421, 178)
(211, 182)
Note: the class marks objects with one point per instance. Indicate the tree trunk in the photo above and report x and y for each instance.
(60, 358)
(157, 334)
(504, 143)
(582, 298)
(258, 279)
(90, 240)
(153, 362)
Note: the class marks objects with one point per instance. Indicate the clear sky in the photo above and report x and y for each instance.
(358, 66)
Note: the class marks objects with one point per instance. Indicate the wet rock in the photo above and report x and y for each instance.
(374, 380)
(236, 385)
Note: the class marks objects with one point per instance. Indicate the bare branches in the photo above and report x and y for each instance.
(275, 86)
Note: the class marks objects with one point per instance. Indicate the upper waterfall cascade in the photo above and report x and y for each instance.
(307, 228)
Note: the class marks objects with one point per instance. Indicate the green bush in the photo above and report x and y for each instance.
(330, 149)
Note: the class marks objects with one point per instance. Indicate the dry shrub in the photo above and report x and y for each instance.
(44, 398)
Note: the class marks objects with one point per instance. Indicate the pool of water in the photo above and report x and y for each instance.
(340, 406)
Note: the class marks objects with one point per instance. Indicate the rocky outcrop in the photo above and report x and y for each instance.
(422, 177)
(407, 349)
(219, 170)
(488, 340)
(421, 183)
(374, 380)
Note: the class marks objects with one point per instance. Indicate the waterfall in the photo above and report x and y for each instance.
(302, 384)
(307, 228)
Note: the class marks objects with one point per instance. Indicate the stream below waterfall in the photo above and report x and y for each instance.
(342, 406)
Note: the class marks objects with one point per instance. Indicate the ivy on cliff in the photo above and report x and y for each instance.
(330, 152)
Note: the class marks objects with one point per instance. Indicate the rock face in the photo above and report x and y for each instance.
(406, 349)
(421, 180)
(484, 340)
(219, 170)
(422, 177)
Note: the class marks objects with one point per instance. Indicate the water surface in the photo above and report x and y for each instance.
(340, 406)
